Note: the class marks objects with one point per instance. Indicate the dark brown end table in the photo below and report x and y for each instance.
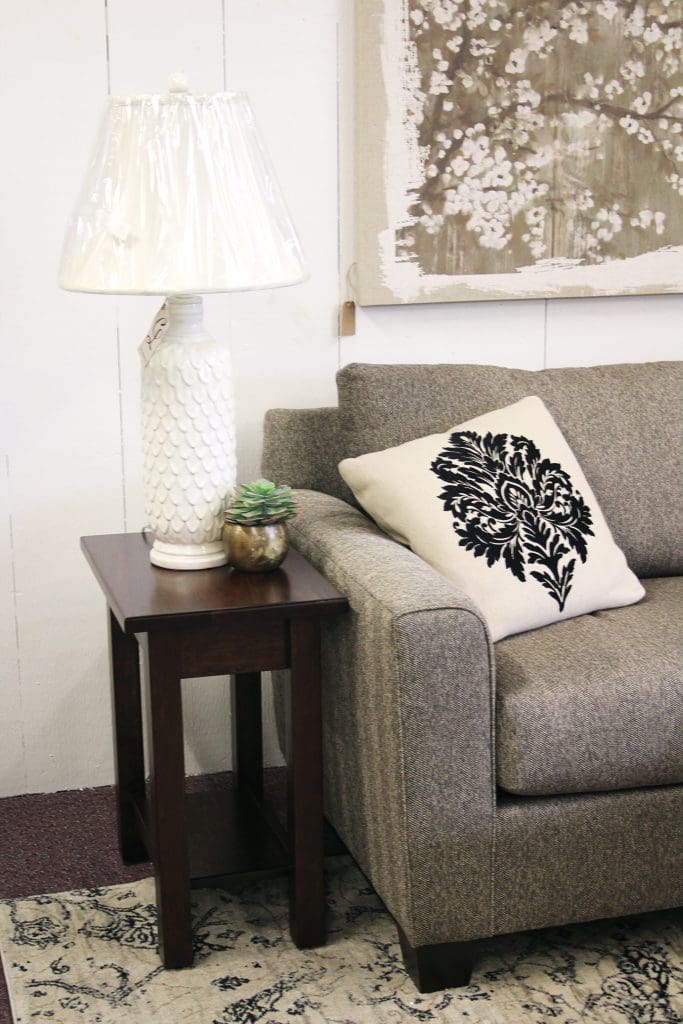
(201, 623)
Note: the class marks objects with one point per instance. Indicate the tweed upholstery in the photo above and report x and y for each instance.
(624, 423)
(596, 702)
(578, 858)
(407, 676)
(409, 732)
(302, 447)
(409, 766)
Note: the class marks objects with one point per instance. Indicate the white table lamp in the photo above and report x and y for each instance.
(181, 199)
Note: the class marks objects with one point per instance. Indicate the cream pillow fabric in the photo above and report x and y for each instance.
(501, 506)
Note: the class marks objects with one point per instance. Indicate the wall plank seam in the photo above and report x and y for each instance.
(106, 45)
(224, 43)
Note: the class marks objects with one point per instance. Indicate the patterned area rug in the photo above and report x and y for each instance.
(89, 957)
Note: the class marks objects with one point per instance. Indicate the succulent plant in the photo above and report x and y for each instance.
(260, 503)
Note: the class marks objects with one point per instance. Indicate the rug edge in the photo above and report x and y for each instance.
(12, 1008)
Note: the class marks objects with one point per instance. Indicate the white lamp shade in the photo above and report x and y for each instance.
(180, 198)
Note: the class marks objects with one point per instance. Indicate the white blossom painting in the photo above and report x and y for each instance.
(517, 149)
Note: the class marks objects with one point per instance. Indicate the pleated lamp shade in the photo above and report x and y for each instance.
(180, 198)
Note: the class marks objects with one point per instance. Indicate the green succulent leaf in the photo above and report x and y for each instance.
(260, 503)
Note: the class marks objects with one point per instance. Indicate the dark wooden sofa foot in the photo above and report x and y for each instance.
(443, 965)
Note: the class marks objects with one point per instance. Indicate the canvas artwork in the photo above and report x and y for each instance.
(517, 149)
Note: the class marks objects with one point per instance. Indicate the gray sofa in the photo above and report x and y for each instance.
(482, 788)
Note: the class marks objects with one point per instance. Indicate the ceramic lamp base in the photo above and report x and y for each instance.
(187, 556)
(188, 437)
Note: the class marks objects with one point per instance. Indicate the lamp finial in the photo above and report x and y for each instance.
(178, 82)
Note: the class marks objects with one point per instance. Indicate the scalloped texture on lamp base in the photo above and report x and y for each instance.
(188, 439)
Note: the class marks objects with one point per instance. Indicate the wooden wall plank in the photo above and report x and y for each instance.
(58, 372)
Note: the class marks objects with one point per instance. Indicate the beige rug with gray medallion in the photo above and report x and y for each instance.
(89, 957)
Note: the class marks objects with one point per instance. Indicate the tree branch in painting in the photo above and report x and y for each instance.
(549, 133)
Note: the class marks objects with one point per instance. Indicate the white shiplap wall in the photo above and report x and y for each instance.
(69, 439)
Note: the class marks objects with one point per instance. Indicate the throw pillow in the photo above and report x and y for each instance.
(501, 506)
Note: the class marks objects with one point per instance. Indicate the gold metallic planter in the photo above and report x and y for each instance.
(255, 548)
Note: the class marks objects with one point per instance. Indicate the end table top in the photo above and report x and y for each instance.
(143, 596)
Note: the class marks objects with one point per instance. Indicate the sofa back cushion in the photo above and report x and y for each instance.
(624, 423)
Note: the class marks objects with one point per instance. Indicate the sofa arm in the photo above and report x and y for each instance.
(408, 724)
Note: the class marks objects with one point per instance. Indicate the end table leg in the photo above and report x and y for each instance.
(128, 748)
(168, 811)
(247, 732)
(304, 786)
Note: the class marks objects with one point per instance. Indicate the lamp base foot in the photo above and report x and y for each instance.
(188, 556)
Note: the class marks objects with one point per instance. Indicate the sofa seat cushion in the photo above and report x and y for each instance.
(596, 702)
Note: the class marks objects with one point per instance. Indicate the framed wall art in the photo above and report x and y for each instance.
(515, 149)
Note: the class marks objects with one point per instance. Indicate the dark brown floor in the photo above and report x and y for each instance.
(53, 842)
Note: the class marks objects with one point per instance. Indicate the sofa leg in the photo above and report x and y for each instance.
(443, 965)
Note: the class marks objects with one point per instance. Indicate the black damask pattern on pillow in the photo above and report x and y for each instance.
(509, 503)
